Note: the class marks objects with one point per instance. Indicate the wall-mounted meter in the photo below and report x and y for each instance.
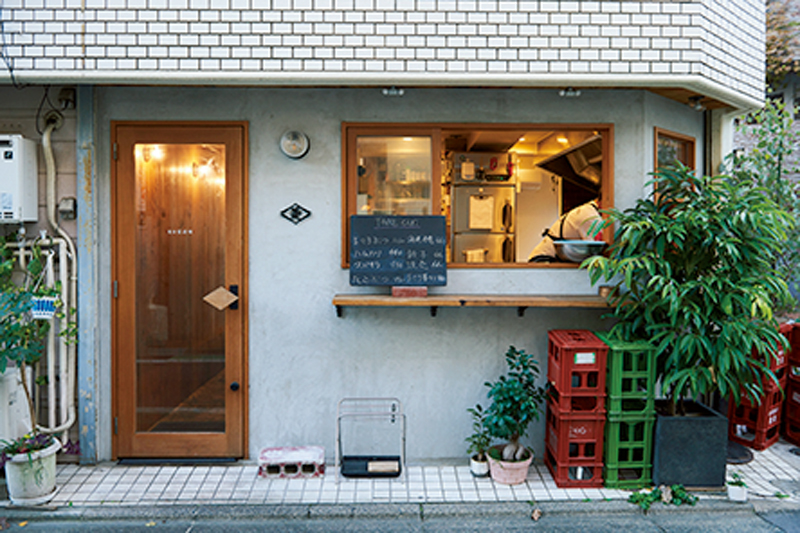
(18, 180)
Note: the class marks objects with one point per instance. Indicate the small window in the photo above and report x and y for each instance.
(498, 186)
(672, 148)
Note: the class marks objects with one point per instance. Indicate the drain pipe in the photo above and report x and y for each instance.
(53, 121)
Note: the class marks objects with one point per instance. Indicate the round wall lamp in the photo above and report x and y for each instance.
(294, 144)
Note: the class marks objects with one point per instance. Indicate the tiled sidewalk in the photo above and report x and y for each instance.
(773, 471)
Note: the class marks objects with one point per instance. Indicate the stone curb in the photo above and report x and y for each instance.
(372, 510)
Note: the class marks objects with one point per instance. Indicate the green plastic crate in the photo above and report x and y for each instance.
(621, 405)
(628, 478)
(628, 450)
(631, 368)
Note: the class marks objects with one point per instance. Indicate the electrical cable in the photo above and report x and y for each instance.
(45, 98)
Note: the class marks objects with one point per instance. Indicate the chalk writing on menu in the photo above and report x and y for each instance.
(397, 250)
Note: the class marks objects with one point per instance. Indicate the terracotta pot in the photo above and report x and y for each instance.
(31, 479)
(507, 472)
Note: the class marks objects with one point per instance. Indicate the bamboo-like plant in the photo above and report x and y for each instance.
(693, 268)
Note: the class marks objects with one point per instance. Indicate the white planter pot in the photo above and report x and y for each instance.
(478, 468)
(31, 479)
(737, 493)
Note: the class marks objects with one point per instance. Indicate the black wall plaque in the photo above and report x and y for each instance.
(397, 250)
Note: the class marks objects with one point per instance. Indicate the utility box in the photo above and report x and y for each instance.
(18, 180)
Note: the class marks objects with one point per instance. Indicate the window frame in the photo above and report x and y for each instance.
(691, 142)
(351, 130)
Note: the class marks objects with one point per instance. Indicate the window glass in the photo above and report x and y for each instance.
(673, 148)
(394, 175)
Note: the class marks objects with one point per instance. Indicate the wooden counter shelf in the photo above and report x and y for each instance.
(520, 301)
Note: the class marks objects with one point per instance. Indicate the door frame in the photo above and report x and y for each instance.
(236, 443)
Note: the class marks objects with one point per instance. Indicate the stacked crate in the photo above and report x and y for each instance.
(576, 372)
(791, 419)
(757, 425)
(630, 413)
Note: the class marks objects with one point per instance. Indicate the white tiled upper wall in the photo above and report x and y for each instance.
(521, 42)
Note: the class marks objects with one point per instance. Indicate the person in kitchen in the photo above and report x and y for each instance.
(580, 223)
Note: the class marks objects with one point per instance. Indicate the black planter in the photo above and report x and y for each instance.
(690, 450)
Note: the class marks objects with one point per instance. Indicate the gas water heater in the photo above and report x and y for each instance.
(18, 180)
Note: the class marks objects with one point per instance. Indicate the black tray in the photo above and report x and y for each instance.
(371, 466)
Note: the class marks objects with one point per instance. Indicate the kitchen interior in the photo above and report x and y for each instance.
(500, 188)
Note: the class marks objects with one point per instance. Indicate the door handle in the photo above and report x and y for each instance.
(222, 298)
(235, 386)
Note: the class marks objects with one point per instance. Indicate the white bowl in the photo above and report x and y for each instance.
(577, 251)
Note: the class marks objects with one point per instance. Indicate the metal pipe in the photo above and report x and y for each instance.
(69, 276)
(51, 351)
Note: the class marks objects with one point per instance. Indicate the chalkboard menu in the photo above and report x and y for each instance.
(397, 250)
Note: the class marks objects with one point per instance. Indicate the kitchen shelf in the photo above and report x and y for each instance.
(521, 302)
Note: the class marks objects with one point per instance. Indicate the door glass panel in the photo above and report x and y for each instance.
(180, 258)
(394, 175)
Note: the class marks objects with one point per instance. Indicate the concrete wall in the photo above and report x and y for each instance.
(303, 359)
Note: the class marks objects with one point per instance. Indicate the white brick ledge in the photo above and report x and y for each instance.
(697, 83)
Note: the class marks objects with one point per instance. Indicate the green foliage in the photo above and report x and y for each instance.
(675, 495)
(782, 44)
(515, 397)
(692, 265)
(21, 339)
(766, 166)
(480, 439)
(737, 480)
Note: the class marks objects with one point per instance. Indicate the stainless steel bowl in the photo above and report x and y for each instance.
(577, 251)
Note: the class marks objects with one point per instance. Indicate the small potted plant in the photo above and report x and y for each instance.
(737, 488)
(30, 468)
(479, 443)
(516, 402)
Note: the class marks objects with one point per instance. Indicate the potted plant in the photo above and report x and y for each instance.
(515, 403)
(30, 468)
(479, 443)
(29, 460)
(692, 268)
(737, 488)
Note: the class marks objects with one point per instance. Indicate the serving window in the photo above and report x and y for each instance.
(498, 186)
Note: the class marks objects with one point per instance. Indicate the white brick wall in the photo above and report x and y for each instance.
(522, 42)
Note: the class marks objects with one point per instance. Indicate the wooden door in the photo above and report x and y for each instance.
(180, 300)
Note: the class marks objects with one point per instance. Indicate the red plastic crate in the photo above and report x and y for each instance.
(576, 361)
(794, 340)
(791, 431)
(574, 474)
(793, 372)
(575, 435)
(756, 426)
(792, 402)
(585, 403)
